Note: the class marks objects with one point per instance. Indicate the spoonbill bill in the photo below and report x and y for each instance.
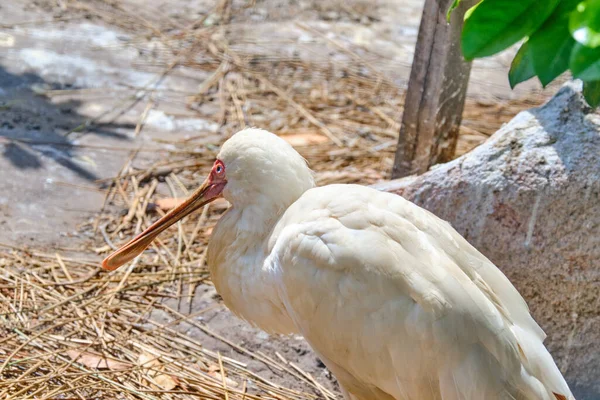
(393, 300)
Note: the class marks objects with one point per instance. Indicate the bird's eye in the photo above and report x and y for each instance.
(219, 169)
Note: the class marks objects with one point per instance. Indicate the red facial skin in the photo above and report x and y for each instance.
(216, 180)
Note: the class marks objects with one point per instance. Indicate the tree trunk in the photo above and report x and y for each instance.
(436, 91)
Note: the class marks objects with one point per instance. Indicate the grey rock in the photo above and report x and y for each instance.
(529, 199)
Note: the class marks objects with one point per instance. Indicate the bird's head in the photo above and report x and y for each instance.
(253, 168)
(262, 167)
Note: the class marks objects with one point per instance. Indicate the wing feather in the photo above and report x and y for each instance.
(395, 298)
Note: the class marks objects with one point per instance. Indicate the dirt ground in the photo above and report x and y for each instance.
(75, 85)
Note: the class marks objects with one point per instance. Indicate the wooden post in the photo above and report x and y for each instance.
(436, 91)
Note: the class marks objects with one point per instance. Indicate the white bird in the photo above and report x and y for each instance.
(393, 300)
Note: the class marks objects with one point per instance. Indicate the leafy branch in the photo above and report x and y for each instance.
(559, 35)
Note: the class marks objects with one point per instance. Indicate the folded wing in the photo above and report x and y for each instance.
(400, 306)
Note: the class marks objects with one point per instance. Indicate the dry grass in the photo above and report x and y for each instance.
(70, 330)
(318, 86)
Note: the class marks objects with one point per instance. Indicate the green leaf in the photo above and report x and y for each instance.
(584, 23)
(452, 7)
(493, 25)
(521, 68)
(591, 92)
(551, 46)
(585, 63)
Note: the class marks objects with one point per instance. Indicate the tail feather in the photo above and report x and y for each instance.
(539, 365)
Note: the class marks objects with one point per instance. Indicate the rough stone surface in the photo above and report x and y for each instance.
(529, 199)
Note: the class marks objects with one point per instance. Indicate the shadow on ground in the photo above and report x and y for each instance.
(33, 127)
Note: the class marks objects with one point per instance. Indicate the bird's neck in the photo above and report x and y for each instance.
(255, 220)
(236, 258)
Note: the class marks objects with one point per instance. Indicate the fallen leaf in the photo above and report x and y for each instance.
(216, 373)
(166, 382)
(304, 139)
(151, 362)
(168, 203)
(213, 368)
(96, 361)
(147, 360)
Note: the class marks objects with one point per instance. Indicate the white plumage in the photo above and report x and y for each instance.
(393, 300)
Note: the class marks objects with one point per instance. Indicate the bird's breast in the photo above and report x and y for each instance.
(248, 286)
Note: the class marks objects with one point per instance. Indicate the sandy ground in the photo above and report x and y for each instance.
(42, 158)
(50, 160)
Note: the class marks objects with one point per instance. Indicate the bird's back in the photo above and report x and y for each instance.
(400, 306)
